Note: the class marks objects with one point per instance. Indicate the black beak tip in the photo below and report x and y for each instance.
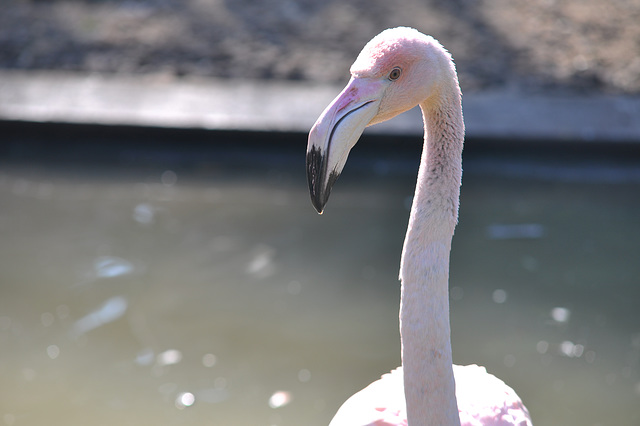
(319, 185)
(317, 207)
(318, 197)
(316, 169)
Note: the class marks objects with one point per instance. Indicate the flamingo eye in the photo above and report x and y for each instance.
(395, 74)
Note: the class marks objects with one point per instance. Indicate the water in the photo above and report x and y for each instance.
(154, 290)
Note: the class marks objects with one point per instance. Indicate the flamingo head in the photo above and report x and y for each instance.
(397, 70)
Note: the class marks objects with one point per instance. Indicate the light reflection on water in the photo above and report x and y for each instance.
(111, 310)
(200, 297)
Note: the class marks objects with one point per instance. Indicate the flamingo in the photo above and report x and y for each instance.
(397, 70)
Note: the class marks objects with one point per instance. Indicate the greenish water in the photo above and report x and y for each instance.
(213, 294)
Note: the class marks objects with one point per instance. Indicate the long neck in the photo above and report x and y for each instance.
(424, 272)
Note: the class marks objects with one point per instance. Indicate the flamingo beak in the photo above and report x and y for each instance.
(334, 134)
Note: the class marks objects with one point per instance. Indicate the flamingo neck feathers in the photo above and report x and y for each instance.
(424, 271)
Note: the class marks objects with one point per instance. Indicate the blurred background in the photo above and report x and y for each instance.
(178, 275)
(543, 44)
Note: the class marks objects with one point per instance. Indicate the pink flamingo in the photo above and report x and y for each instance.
(397, 70)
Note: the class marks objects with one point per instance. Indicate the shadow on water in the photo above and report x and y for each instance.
(182, 277)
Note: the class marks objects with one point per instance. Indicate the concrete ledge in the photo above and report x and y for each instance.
(161, 101)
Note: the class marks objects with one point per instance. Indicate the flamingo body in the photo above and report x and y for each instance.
(397, 70)
(483, 400)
